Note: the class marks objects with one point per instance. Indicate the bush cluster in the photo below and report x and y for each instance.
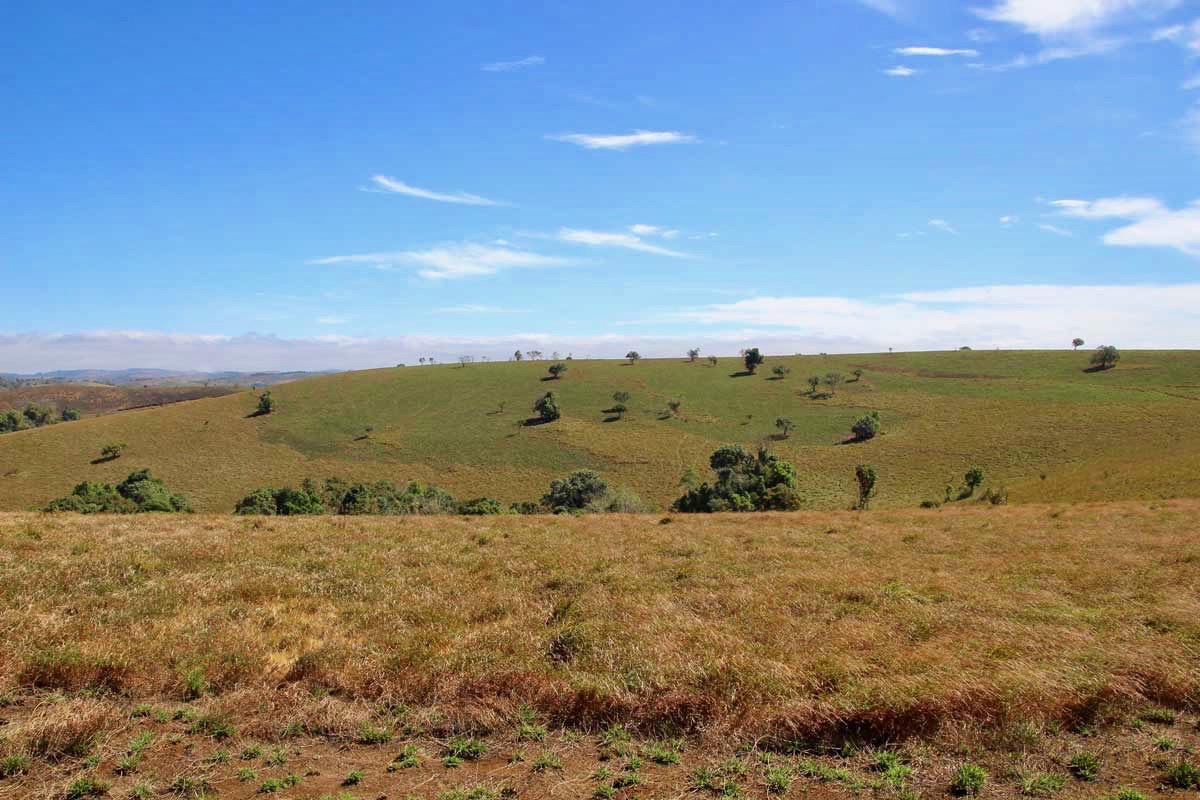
(34, 415)
(336, 496)
(141, 492)
(744, 482)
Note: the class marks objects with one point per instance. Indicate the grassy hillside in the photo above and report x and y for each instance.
(97, 398)
(1015, 637)
(1037, 423)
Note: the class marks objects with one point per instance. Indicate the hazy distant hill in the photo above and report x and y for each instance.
(160, 377)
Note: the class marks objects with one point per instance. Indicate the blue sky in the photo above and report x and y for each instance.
(311, 186)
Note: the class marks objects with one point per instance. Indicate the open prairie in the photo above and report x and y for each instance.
(1036, 422)
(770, 646)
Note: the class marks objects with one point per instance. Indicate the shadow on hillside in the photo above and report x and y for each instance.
(533, 422)
(613, 418)
(1097, 368)
(775, 378)
(257, 413)
(103, 459)
(742, 374)
(548, 378)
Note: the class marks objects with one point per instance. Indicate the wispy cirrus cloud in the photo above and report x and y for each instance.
(623, 141)
(892, 8)
(900, 71)
(1186, 35)
(510, 66)
(393, 186)
(453, 261)
(1109, 207)
(942, 225)
(1057, 231)
(627, 241)
(935, 51)
(654, 230)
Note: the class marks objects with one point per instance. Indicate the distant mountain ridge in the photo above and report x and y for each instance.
(161, 377)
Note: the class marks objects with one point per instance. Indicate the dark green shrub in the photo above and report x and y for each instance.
(139, 493)
(744, 482)
(968, 779)
(481, 506)
(547, 408)
(575, 492)
(752, 359)
(867, 427)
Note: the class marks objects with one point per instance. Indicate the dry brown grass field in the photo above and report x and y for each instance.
(96, 398)
(783, 654)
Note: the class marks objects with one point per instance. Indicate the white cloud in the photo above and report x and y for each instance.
(1086, 47)
(623, 141)
(1034, 316)
(942, 225)
(654, 230)
(890, 7)
(509, 66)
(934, 51)
(1046, 226)
(628, 241)
(1009, 220)
(452, 261)
(900, 71)
(1186, 35)
(1109, 207)
(1191, 83)
(1151, 223)
(1068, 17)
(399, 187)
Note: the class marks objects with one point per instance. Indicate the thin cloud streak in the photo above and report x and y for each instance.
(393, 186)
(623, 141)
(510, 66)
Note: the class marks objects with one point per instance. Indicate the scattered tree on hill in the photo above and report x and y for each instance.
(11, 420)
(712, 361)
(112, 451)
(464, 361)
(813, 382)
(867, 427)
(865, 475)
(633, 356)
(336, 496)
(70, 414)
(785, 426)
(1106, 356)
(693, 354)
(557, 369)
(422, 360)
(547, 408)
(575, 492)
(621, 403)
(266, 404)
(1077, 343)
(744, 482)
(141, 492)
(673, 407)
(781, 372)
(37, 414)
(972, 479)
(858, 373)
(833, 380)
(752, 359)
(517, 356)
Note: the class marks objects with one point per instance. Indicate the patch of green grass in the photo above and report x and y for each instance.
(1042, 784)
(1085, 766)
(1183, 776)
(1159, 716)
(141, 791)
(278, 757)
(194, 685)
(466, 748)
(251, 752)
(11, 765)
(1127, 794)
(87, 787)
(188, 786)
(246, 775)
(354, 778)
(546, 761)
(373, 734)
(664, 753)
(409, 757)
(778, 779)
(969, 779)
(1164, 744)
(217, 726)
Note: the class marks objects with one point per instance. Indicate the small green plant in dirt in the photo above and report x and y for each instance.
(893, 771)
(1183, 776)
(528, 729)
(665, 753)
(823, 772)
(278, 757)
(472, 793)
(1041, 784)
(354, 778)
(127, 765)
(218, 727)
(140, 742)
(1085, 766)
(87, 787)
(1127, 794)
(614, 739)
(13, 765)
(779, 780)
(546, 761)
(1164, 743)
(246, 775)
(409, 757)
(187, 786)
(371, 734)
(605, 791)
(968, 779)
(141, 791)
(1159, 716)
(185, 714)
(141, 711)
(194, 685)
(251, 752)
(452, 762)
(466, 748)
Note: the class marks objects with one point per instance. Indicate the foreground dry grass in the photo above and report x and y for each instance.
(789, 631)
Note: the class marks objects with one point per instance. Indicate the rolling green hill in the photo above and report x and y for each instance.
(1037, 422)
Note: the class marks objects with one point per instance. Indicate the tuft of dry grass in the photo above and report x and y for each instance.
(776, 626)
